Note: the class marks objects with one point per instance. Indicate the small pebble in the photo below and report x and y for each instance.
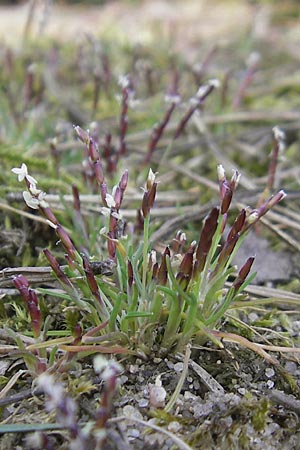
(132, 413)
(157, 396)
(178, 367)
(133, 368)
(143, 403)
(174, 426)
(270, 384)
(134, 433)
(270, 372)
(170, 365)
(253, 317)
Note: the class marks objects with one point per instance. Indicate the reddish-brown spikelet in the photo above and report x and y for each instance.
(56, 268)
(243, 273)
(162, 274)
(205, 241)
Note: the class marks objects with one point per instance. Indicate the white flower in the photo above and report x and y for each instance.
(31, 201)
(106, 368)
(172, 98)
(280, 137)
(235, 179)
(22, 173)
(221, 172)
(151, 177)
(105, 211)
(214, 82)
(35, 198)
(253, 216)
(204, 90)
(253, 59)
(124, 81)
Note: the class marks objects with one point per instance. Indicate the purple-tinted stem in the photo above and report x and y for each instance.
(124, 120)
(200, 70)
(66, 241)
(31, 301)
(56, 268)
(92, 282)
(158, 132)
(247, 80)
(197, 102)
(104, 411)
(273, 165)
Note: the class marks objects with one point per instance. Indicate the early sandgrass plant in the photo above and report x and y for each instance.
(149, 303)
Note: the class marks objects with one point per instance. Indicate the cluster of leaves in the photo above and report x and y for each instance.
(146, 302)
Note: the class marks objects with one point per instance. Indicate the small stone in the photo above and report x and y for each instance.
(242, 391)
(123, 379)
(143, 403)
(134, 433)
(157, 360)
(291, 367)
(132, 413)
(133, 368)
(178, 367)
(270, 372)
(157, 396)
(189, 396)
(174, 426)
(270, 384)
(170, 365)
(253, 317)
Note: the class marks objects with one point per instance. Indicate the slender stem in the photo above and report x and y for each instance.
(145, 255)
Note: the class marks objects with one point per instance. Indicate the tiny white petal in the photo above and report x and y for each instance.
(44, 204)
(31, 180)
(33, 190)
(21, 172)
(253, 59)
(31, 201)
(113, 192)
(221, 172)
(182, 237)
(172, 98)
(279, 134)
(110, 201)
(116, 215)
(123, 81)
(151, 176)
(105, 211)
(253, 216)
(214, 82)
